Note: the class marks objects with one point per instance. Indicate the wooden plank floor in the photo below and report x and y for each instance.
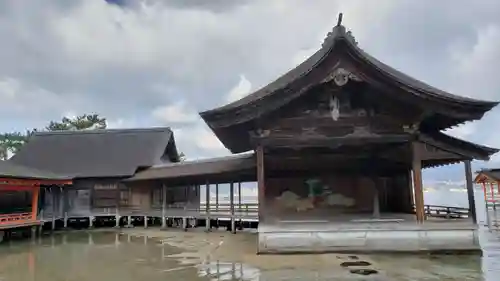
(18, 224)
(361, 222)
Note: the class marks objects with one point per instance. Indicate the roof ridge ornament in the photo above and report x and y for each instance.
(339, 20)
(338, 31)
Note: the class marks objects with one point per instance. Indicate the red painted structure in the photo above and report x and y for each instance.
(490, 180)
(18, 219)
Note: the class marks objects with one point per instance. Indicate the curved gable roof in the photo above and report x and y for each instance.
(254, 104)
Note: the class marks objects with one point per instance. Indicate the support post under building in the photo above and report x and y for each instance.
(470, 190)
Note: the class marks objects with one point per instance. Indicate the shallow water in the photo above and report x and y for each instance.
(111, 256)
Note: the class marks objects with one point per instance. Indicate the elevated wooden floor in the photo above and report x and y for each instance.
(392, 233)
(19, 224)
(16, 220)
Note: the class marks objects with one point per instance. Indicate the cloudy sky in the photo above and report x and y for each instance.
(157, 63)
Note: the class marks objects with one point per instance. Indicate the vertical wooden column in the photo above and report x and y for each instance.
(163, 205)
(417, 183)
(61, 202)
(410, 188)
(488, 222)
(261, 182)
(492, 190)
(376, 198)
(239, 197)
(117, 210)
(239, 205)
(484, 191)
(470, 190)
(34, 202)
(207, 205)
(216, 197)
(231, 204)
(54, 206)
(64, 196)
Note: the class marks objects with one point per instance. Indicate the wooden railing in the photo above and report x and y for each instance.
(445, 211)
(17, 218)
(226, 207)
(251, 209)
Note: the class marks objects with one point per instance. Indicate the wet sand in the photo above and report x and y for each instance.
(153, 254)
(199, 247)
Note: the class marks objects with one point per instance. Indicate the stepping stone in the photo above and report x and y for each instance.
(355, 263)
(363, 271)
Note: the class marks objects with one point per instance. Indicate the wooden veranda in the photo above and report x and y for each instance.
(208, 175)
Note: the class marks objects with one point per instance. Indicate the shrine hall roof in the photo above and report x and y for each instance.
(11, 170)
(444, 110)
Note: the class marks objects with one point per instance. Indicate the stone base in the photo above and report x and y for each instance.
(398, 238)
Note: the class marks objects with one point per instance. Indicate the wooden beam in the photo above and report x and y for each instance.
(470, 190)
(304, 141)
(10, 187)
(417, 183)
(32, 182)
(261, 180)
(325, 164)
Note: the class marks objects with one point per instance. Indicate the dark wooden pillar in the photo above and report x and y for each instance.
(163, 205)
(470, 190)
(410, 188)
(207, 205)
(260, 181)
(417, 183)
(231, 207)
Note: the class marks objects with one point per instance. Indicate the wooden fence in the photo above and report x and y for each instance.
(252, 209)
(445, 211)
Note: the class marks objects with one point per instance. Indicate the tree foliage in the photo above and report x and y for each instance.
(83, 122)
(12, 142)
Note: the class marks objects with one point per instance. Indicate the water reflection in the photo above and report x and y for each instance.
(88, 256)
(228, 271)
(83, 256)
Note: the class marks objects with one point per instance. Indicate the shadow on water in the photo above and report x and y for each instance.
(110, 256)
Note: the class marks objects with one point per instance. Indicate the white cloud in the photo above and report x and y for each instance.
(198, 141)
(161, 63)
(240, 90)
(9, 89)
(121, 123)
(175, 113)
(463, 131)
(476, 71)
(20, 97)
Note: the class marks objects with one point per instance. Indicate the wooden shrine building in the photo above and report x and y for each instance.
(98, 161)
(20, 190)
(340, 144)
